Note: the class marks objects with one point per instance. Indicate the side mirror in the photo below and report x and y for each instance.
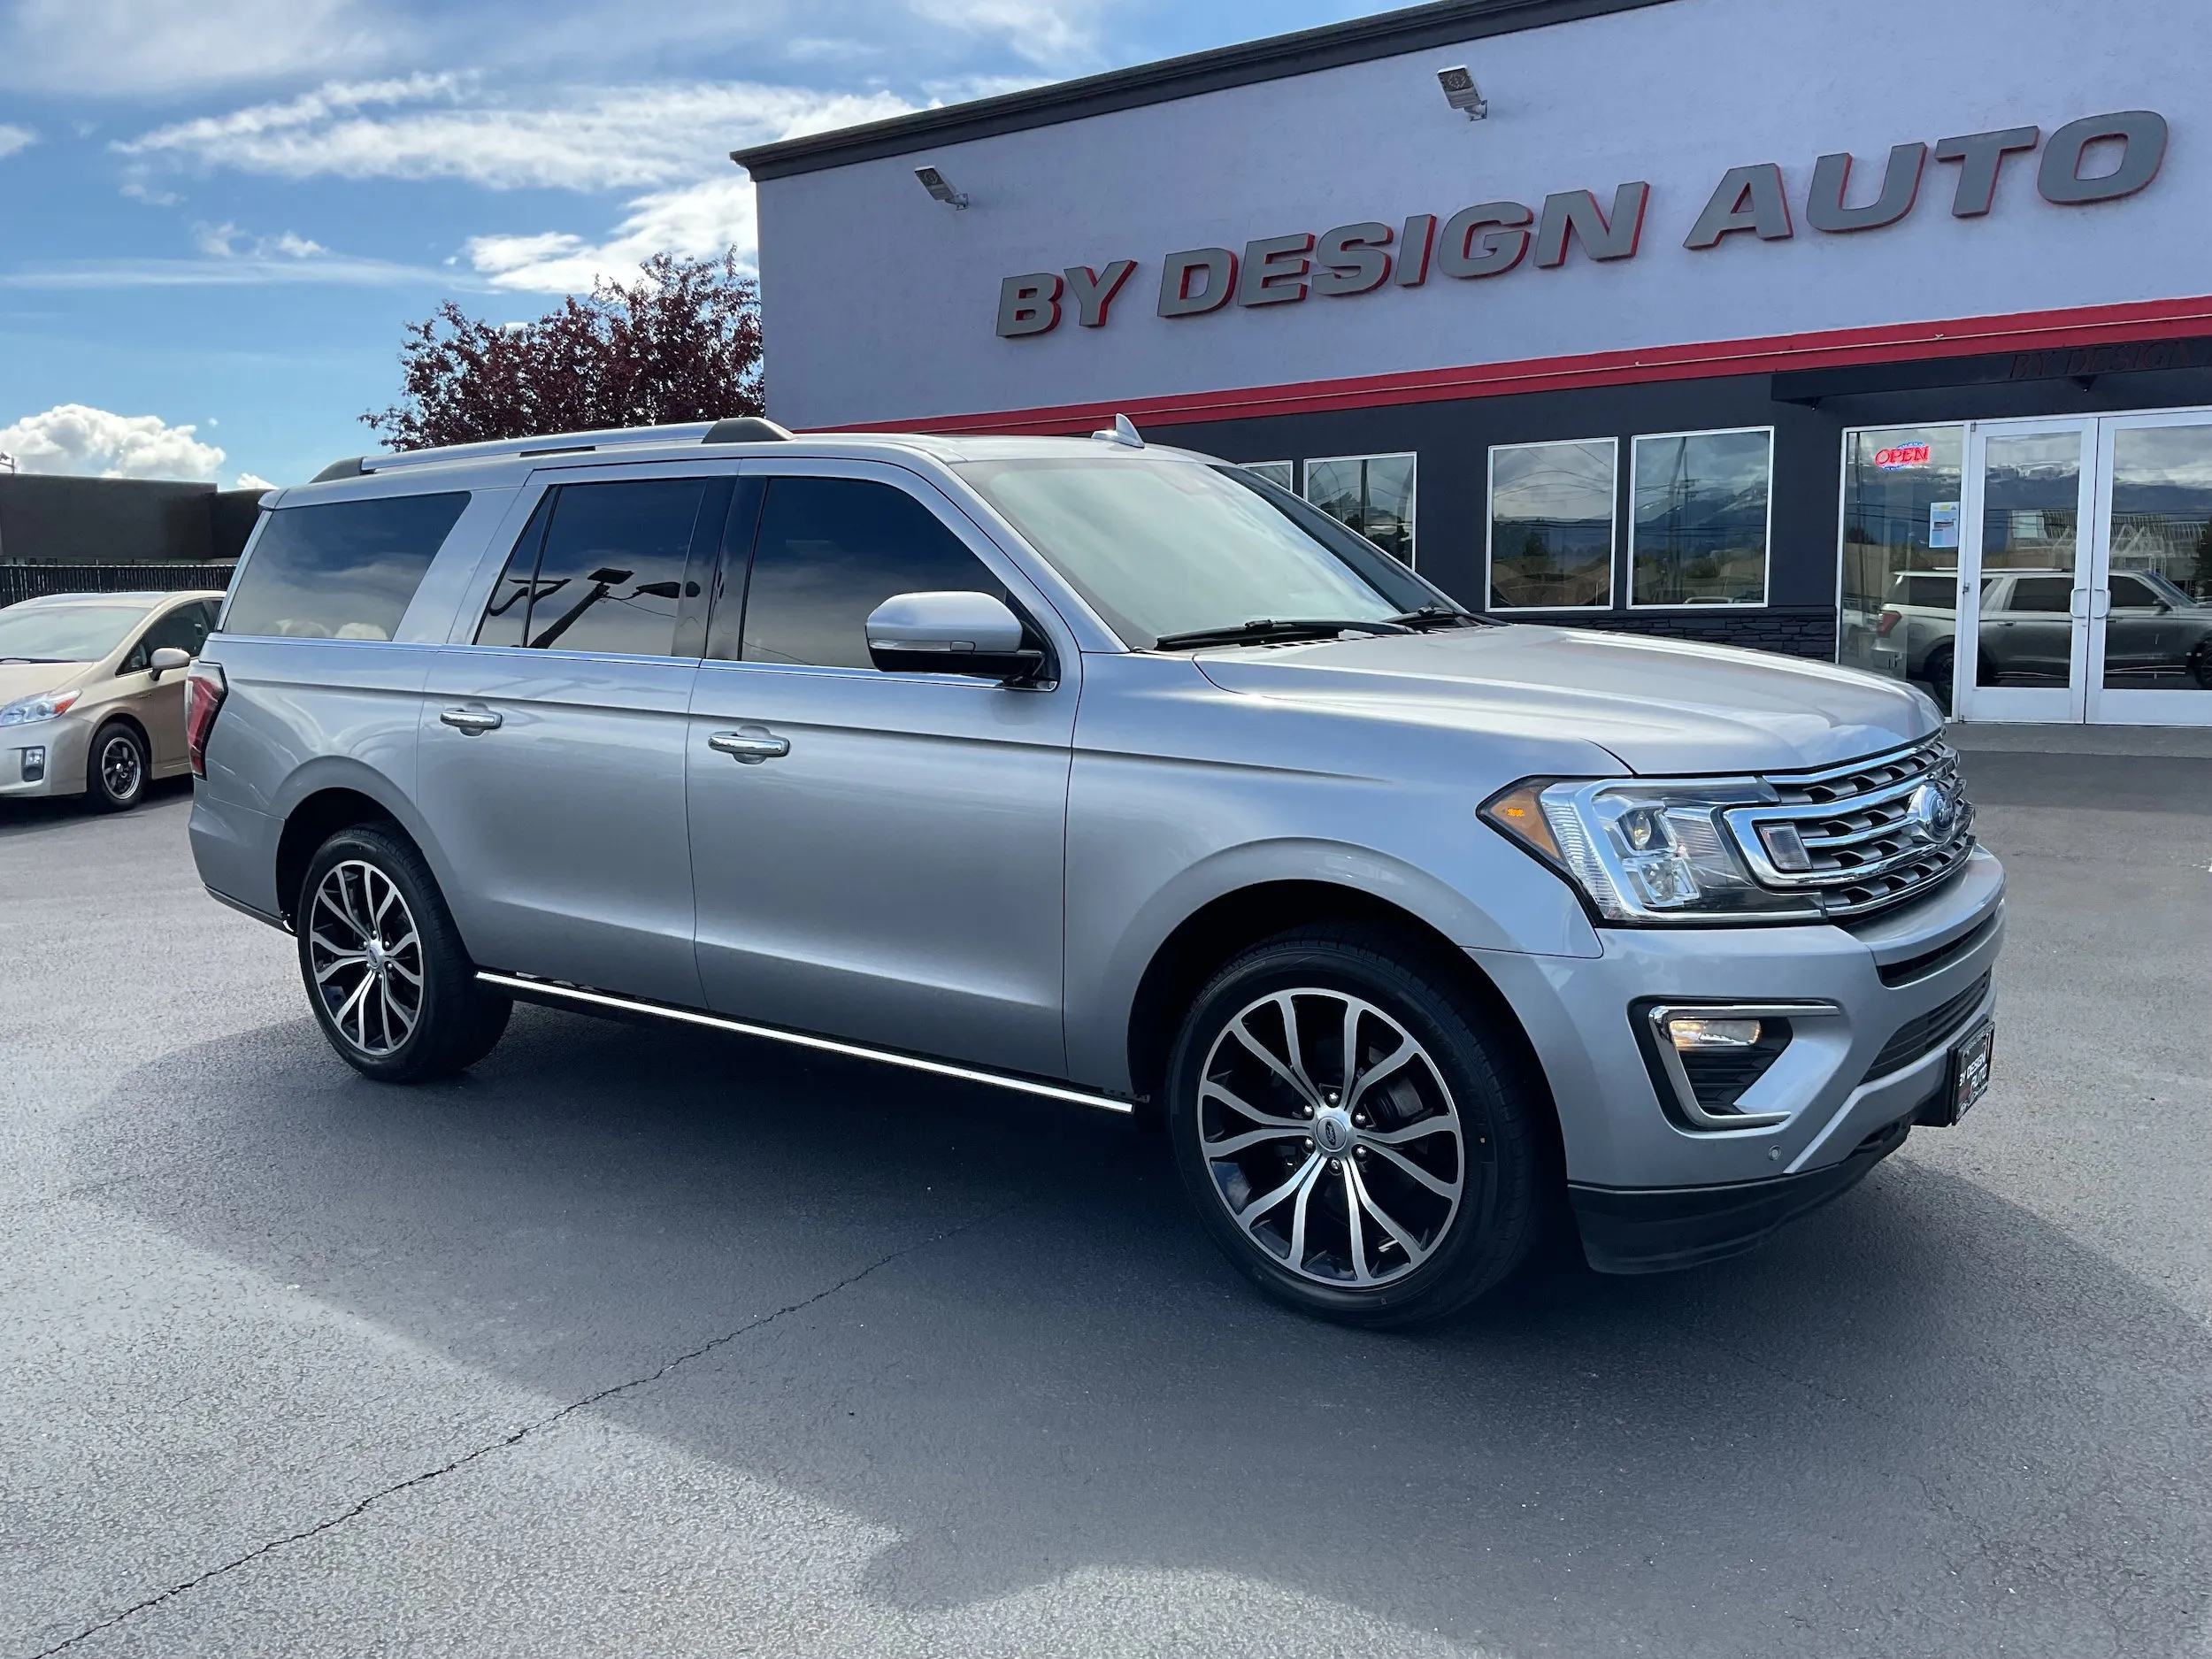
(951, 634)
(168, 659)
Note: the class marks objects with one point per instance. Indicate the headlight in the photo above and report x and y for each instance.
(1645, 851)
(29, 710)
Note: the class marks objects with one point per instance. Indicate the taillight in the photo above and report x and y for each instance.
(1889, 619)
(204, 689)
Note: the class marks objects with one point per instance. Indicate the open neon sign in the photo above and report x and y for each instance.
(1900, 457)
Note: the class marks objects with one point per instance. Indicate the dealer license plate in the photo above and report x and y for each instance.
(1969, 1069)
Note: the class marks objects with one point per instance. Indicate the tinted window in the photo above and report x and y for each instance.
(1932, 591)
(611, 576)
(828, 552)
(185, 629)
(2041, 593)
(346, 571)
(2133, 593)
(507, 612)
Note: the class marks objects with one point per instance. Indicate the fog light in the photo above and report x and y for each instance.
(1787, 848)
(35, 764)
(1694, 1034)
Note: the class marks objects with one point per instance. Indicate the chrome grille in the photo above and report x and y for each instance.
(1872, 834)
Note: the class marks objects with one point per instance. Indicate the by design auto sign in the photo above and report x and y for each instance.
(2101, 158)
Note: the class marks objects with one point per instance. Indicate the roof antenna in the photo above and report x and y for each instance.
(1123, 432)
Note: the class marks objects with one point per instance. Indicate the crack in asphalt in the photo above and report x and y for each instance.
(519, 1435)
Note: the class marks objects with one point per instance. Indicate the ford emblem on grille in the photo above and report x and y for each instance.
(1930, 813)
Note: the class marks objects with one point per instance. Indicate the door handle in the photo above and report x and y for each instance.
(473, 721)
(750, 746)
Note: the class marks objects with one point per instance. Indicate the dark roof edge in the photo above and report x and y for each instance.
(1415, 28)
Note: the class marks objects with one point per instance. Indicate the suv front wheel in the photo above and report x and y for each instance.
(391, 985)
(1352, 1136)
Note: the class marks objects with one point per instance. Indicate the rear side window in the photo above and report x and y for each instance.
(342, 571)
(830, 550)
(2042, 593)
(600, 567)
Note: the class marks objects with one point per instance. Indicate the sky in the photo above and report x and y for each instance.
(217, 215)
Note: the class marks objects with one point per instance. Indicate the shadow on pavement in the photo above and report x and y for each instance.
(1903, 1429)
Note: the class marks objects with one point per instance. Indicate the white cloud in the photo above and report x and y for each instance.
(224, 242)
(700, 222)
(74, 438)
(144, 46)
(1042, 31)
(252, 481)
(15, 138)
(238, 271)
(634, 137)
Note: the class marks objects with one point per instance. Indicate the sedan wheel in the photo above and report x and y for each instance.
(115, 779)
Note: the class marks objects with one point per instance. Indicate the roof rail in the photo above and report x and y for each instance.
(737, 429)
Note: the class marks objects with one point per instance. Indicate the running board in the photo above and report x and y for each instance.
(547, 990)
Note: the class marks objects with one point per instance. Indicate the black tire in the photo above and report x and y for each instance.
(1460, 1068)
(115, 768)
(2201, 666)
(1940, 668)
(408, 1008)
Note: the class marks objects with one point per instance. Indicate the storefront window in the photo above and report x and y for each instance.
(1551, 525)
(1700, 519)
(1282, 474)
(2159, 634)
(1373, 494)
(1900, 553)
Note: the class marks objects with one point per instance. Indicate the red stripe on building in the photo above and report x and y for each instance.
(1839, 347)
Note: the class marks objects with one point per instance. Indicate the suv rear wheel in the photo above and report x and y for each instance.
(1353, 1137)
(392, 988)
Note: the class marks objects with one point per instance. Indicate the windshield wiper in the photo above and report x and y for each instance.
(1430, 617)
(1261, 630)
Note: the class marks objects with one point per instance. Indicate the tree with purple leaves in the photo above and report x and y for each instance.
(682, 343)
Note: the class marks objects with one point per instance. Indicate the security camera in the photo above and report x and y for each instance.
(934, 182)
(1461, 92)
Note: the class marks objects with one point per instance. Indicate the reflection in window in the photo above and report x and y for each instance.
(612, 572)
(2159, 634)
(1373, 494)
(1282, 474)
(1699, 525)
(2030, 523)
(828, 552)
(1900, 554)
(1551, 525)
(345, 570)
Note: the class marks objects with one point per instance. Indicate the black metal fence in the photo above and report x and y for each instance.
(32, 582)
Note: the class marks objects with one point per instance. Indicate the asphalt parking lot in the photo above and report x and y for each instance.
(644, 1342)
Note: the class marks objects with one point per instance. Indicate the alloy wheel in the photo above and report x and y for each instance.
(365, 953)
(122, 769)
(1333, 1141)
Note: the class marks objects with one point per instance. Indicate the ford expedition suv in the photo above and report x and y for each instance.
(1112, 774)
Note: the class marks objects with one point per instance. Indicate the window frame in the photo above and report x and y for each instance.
(1843, 497)
(1038, 612)
(1612, 602)
(1766, 566)
(700, 565)
(1413, 496)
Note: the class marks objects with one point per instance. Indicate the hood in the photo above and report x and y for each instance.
(1660, 706)
(28, 680)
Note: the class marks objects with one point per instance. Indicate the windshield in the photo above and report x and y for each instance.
(1163, 547)
(64, 634)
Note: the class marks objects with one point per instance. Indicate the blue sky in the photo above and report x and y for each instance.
(218, 214)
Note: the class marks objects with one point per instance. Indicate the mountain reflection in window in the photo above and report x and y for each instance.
(1699, 526)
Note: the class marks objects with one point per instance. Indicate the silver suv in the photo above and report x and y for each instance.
(1111, 774)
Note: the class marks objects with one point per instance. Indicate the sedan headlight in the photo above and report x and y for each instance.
(45, 706)
(1644, 851)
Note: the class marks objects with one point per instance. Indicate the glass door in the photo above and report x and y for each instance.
(2025, 570)
(2150, 600)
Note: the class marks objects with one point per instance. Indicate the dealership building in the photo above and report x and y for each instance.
(1848, 332)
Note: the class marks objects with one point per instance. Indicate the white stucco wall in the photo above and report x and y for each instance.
(880, 304)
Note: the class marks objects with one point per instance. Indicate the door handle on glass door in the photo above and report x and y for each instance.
(750, 746)
(473, 721)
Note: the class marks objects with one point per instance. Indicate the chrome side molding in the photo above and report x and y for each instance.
(546, 989)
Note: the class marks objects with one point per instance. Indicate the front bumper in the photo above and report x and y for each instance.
(1648, 1188)
(66, 741)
